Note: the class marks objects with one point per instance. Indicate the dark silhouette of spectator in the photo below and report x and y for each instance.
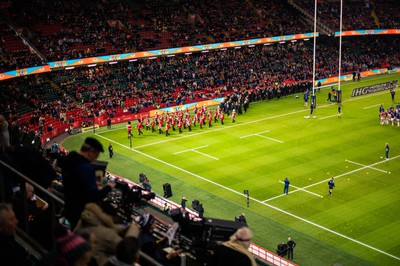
(150, 247)
(70, 250)
(108, 234)
(127, 253)
(80, 182)
(235, 251)
(10, 250)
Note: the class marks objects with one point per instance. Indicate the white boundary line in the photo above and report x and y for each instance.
(383, 171)
(196, 151)
(372, 106)
(299, 188)
(266, 204)
(255, 134)
(325, 117)
(265, 137)
(261, 136)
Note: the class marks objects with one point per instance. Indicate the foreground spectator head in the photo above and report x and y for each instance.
(91, 149)
(71, 248)
(243, 237)
(127, 252)
(8, 221)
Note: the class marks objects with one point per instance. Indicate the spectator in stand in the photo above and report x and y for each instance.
(79, 179)
(10, 250)
(150, 246)
(235, 251)
(94, 220)
(4, 135)
(127, 253)
(70, 249)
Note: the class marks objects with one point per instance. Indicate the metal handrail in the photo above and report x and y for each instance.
(52, 199)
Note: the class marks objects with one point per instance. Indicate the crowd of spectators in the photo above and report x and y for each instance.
(14, 54)
(63, 97)
(357, 15)
(75, 29)
(95, 232)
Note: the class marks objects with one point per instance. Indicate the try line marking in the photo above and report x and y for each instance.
(299, 188)
(196, 150)
(325, 117)
(263, 203)
(372, 106)
(261, 136)
(353, 171)
(373, 168)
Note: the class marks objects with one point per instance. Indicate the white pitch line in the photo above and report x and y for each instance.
(196, 151)
(258, 201)
(383, 171)
(353, 171)
(325, 117)
(256, 121)
(255, 134)
(179, 152)
(192, 149)
(212, 157)
(372, 106)
(299, 188)
(277, 140)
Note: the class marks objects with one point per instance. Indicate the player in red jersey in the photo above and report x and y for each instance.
(129, 128)
(180, 124)
(139, 127)
(153, 125)
(189, 124)
(222, 117)
(215, 116)
(210, 118)
(167, 126)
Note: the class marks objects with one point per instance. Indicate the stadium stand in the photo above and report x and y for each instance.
(46, 105)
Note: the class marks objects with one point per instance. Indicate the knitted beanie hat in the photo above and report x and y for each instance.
(70, 246)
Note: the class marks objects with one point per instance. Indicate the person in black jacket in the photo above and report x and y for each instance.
(290, 246)
(10, 250)
(80, 182)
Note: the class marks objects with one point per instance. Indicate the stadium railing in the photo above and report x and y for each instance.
(33, 247)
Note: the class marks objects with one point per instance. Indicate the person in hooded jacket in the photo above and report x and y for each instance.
(108, 234)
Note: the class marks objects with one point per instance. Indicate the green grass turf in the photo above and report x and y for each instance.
(358, 225)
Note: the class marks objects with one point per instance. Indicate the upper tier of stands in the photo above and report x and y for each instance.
(62, 30)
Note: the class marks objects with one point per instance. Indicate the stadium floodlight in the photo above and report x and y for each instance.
(132, 60)
(153, 57)
(306, 39)
(170, 55)
(251, 45)
(267, 43)
(69, 68)
(112, 63)
(238, 47)
(92, 65)
(188, 53)
(293, 40)
(223, 49)
(205, 51)
(281, 42)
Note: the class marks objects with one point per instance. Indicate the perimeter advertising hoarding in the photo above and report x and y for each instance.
(374, 88)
